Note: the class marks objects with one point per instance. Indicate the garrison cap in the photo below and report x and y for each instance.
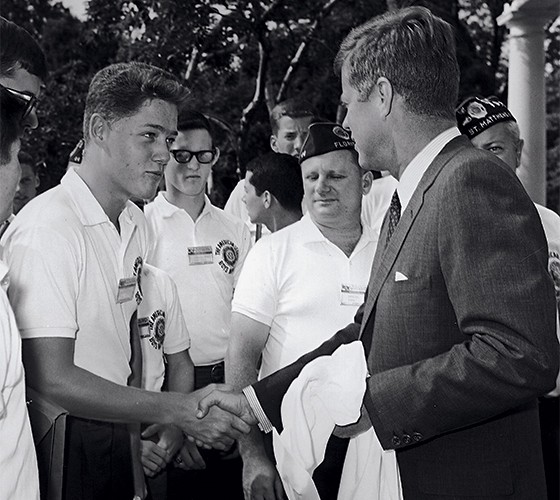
(476, 114)
(324, 137)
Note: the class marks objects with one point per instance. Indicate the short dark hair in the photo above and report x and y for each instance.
(11, 114)
(280, 174)
(414, 50)
(18, 49)
(293, 108)
(27, 159)
(190, 120)
(119, 90)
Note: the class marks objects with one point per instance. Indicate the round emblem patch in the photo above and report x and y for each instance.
(156, 327)
(229, 255)
(340, 132)
(476, 110)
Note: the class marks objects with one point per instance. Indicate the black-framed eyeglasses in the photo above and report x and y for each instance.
(185, 156)
(27, 99)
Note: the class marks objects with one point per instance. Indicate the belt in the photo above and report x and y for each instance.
(209, 374)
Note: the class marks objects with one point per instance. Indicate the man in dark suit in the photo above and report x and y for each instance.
(459, 317)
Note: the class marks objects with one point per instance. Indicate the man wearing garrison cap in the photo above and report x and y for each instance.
(298, 284)
(489, 124)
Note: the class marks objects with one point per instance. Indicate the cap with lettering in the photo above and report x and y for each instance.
(476, 114)
(324, 137)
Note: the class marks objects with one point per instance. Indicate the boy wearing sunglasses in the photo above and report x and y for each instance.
(203, 249)
(23, 69)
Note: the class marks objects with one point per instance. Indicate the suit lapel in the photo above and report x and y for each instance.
(386, 254)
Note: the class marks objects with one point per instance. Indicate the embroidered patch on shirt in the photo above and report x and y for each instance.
(156, 328)
(229, 255)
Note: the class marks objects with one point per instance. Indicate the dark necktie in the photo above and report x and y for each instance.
(394, 215)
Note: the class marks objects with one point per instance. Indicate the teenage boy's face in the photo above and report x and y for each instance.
(290, 136)
(25, 82)
(190, 178)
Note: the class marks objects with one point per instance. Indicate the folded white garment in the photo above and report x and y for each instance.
(329, 391)
(370, 472)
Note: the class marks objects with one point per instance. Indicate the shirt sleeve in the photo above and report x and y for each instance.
(177, 338)
(256, 293)
(44, 274)
(244, 247)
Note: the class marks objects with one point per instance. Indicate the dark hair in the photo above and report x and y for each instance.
(11, 114)
(119, 90)
(279, 174)
(18, 49)
(290, 107)
(27, 159)
(191, 120)
(414, 50)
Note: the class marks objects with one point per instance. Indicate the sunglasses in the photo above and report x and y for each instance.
(185, 156)
(27, 99)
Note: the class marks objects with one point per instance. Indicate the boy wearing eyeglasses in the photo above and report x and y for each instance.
(203, 249)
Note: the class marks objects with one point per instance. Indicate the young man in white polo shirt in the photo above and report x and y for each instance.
(202, 248)
(165, 356)
(76, 255)
(22, 69)
(301, 282)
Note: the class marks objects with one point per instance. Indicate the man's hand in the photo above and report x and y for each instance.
(154, 458)
(261, 480)
(189, 457)
(213, 425)
(228, 400)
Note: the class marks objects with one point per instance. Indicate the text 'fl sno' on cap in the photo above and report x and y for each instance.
(324, 137)
(476, 114)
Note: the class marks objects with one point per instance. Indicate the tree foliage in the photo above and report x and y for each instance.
(239, 58)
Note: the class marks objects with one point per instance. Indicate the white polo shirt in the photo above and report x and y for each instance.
(161, 325)
(18, 463)
(204, 258)
(74, 276)
(304, 287)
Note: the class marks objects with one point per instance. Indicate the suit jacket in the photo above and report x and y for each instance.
(461, 349)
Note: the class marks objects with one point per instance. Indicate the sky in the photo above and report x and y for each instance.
(77, 7)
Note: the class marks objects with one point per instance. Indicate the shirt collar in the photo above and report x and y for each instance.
(310, 233)
(167, 209)
(413, 173)
(88, 209)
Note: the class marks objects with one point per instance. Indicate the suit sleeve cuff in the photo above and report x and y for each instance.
(264, 423)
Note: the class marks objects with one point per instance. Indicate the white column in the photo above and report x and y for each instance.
(526, 91)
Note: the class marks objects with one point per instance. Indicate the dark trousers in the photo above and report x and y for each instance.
(98, 462)
(222, 478)
(550, 421)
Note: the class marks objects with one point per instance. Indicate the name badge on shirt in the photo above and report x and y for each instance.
(199, 256)
(127, 286)
(352, 295)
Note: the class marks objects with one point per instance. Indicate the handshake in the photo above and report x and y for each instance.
(215, 416)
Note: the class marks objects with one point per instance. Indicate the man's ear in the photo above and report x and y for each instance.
(98, 128)
(384, 90)
(367, 180)
(216, 156)
(520, 145)
(267, 198)
(274, 143)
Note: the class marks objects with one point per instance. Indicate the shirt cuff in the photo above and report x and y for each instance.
(264, 423)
